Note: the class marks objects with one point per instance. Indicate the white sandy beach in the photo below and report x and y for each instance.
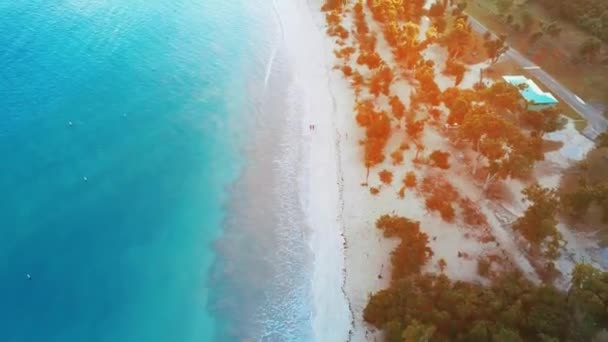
(321, 188)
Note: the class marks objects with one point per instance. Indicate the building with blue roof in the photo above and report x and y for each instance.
(536, 99)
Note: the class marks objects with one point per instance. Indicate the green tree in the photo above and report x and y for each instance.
(495, 48)
(480, 332)
(506, 335)
(510, 309)
(538, 224)
(503, 96)
(545, 121)
(393, 331)
(527, 21)
(498, 142)
(462, 5)
(548, 312)
(552, 29)
(504, 6)
(602, 140)
(590, 49)
(576, 203)
(536, 36)
(418, 332)
(413, 251)
(588, 296)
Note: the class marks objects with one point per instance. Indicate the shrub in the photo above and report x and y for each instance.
(401, 192)
(413, 251)
(397, 107)
(397, 157)
(440, 159)
(410, 179)
(456, 69)
(386, 177)
(347, 70)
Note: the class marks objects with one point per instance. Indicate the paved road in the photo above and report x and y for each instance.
(597, 123)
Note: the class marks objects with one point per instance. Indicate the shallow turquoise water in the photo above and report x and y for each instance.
(117, 140)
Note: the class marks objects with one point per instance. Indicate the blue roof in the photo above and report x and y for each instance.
(530, 91)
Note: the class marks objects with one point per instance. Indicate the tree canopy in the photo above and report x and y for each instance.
(538, 223)
(590, 15)
(430, 307)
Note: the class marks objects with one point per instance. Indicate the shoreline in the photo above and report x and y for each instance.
(321, 188)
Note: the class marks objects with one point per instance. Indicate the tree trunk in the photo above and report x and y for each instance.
(490, 177)
(476, 164)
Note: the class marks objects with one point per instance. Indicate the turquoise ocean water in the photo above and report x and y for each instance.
(122, 126)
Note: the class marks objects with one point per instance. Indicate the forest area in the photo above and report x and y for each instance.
(431, 307)
(506, 140)
(590, 15)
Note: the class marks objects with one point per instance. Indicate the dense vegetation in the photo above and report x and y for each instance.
(539, 221)
(505, 139)
(493, 120)
(430, 307)
(584, 189)
(590, 15)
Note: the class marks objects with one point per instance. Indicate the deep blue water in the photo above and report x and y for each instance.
(117, 140)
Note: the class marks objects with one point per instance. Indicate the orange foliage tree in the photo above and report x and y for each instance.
(458, 37)
(381, 81)
(378, 127)
(386, 177)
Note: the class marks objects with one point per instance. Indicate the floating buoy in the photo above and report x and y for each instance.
(85, 178)
(29, 277)
(69, 123)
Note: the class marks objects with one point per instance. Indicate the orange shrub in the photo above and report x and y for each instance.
(374, 151)
(347, 71)
(401, 192)
(386, 177)
(397, 106)
(331, 5)
(397, 157)
(410, 179)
